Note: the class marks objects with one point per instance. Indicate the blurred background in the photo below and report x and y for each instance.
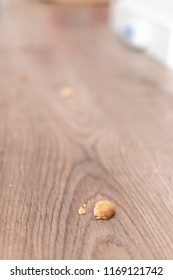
(145, 25)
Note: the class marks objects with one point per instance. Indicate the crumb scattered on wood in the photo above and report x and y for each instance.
(67, 93)
(104, 210)
(24, 79)
(82, 211)
(23, 104)
(84, 205)
(13, 94)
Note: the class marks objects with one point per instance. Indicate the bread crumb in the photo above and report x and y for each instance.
(84, 205)
(82, 211)
(13, 94)
(67, 93)
(104, 210)
(24, 79)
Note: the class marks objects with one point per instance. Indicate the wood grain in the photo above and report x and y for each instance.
(112, 140)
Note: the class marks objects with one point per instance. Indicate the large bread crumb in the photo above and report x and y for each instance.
(104, 210)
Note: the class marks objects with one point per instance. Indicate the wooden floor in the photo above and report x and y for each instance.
(113, 139)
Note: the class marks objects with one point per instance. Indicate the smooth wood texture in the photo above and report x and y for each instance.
(112, 140)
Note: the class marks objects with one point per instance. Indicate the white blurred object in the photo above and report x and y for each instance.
(146, 25)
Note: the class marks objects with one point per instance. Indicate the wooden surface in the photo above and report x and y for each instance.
(112, 140)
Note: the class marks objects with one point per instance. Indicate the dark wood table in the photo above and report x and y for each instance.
(112, 139)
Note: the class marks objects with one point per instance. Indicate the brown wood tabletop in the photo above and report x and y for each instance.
(112, 138)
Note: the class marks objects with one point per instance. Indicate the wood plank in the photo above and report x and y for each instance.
(111, 140)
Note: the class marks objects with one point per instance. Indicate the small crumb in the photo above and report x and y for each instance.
(104, 210)
(13, 94)
(24, 79)
(82, 211)
(23, 104)
(67, 93)
(84, 205)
